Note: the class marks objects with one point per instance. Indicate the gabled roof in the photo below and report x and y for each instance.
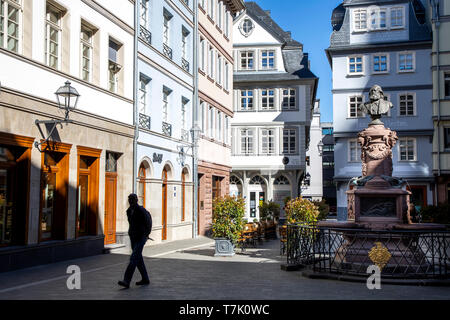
(264, 19)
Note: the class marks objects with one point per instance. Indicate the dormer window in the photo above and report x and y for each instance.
(360, 20)
(397, 18)
(378, 19)
(268, 59)
(246, 27)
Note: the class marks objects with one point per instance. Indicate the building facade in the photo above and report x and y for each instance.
(274, 94)
(440, 20)
(215, 109)
(329, 187)
(66, 197)
(386, 43)
(165, 100)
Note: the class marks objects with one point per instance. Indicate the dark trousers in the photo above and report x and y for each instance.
(136, 259)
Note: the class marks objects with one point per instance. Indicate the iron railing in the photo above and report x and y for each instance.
(167, 129)
(404, 253)
(167, 51)
(144, 121)
(145, 35)
(185, 64)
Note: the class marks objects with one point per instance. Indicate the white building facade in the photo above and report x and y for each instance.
(274, 92)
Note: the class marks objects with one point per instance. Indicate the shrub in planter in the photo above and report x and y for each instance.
(228, 213)
(269, 210)
(324, 209)
(301, 211)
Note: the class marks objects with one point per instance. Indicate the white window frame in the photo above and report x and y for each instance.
(220, 15)
(267, 58)
(357, 146)
(51, 25)
(413, 54)
(211, 121)
(143, 85)
(360, 21)
(184, 43)
(227, 130)
(246, 59)
(211, 62)
(401, 142)
(246, 97)
(203, 54)
(184, 103)
(379, 55)
(202, 116)
(268, 97)
(377, 11)
(288, 96)
(144, 12)
(211, 4)
(264, 133)
(402, 9)
(88, 44)
(359, 114)
(165, 104)
(166, 29)
(227, 22)
(226, 81)
(113, 70)
(219, 67)
(6, 4)
(349, 63)
(248, 147)
(413, 94)
(290, 136)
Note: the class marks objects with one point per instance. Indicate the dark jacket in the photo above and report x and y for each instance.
(137, 221)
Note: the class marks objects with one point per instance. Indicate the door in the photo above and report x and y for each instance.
(256, 197)
(164, 206)
(110, 207)
(419, 196)
(7, 202)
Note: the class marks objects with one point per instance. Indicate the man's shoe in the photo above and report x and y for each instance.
(123, 284)
(143, 282)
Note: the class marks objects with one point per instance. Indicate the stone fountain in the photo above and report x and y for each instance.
(377, 201)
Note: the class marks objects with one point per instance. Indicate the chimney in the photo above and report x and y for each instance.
(288, 33)
(267, 12)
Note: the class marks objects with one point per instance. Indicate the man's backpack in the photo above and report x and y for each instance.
(148, 221)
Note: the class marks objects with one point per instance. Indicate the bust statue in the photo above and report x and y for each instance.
(377, 105)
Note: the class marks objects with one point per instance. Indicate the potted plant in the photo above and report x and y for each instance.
(228, 223)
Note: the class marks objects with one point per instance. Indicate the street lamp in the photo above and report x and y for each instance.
(67, 98)
(320, 147)
(308, 179)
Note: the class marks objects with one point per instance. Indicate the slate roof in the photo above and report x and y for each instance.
(295, 60)
(417, 31)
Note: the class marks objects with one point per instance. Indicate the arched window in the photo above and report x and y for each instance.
(235, 180)
(281, 180)
(257, 180)
(141, 185)
(183, 194)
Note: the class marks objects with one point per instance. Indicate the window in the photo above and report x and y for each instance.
(216, 190)
(211, 62)
(144, 13)
(9, 24)
(114, 67)
(268, 141)
(220, 15)
(406, 104)
(227, 130)
(143, 82)
(211, 4)
(354, 103)
(354, 151)
(226, 81)
(267, 59)
(246, 27)
(355, 65)
(246, 100)
(268, 99)
(202, 116)
(184, 43)
(53, 37)
(247, 60)
(184, 103)
(86, 53)
(165, 104)
(211, 121)
(219, 69)
(289, 141)
(407, 149)
(166, 27)
(246, 141)
(380, 63)
(288, 102)
(378, 19)
(360, 19)
(328, 148)
(447, 84)
(219, 125)
(328, 164)
(141, 185)
(281, 180)
(202, 54)
(396, 18)
(447, 138)
(227, 22)
(202, 3)
(406, 62)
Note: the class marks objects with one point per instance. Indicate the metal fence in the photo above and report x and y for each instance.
(398, 253)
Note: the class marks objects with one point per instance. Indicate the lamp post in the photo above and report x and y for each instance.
(67, 98)
(195, 132)
(320, 147)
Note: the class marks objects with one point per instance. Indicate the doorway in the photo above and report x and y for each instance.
(164, 205)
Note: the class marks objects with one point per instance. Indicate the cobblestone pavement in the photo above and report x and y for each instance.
(188, 270)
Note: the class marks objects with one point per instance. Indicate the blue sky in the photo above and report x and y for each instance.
(310, 23)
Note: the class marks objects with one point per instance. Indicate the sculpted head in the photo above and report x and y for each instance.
(376, 93)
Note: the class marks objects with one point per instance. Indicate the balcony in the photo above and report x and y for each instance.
(167, 51)
(145, 35)
(185, 64)
(167, 129)
(184, 135)
(144, 121)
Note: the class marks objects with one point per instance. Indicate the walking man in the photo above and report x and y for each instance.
(140, 227)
